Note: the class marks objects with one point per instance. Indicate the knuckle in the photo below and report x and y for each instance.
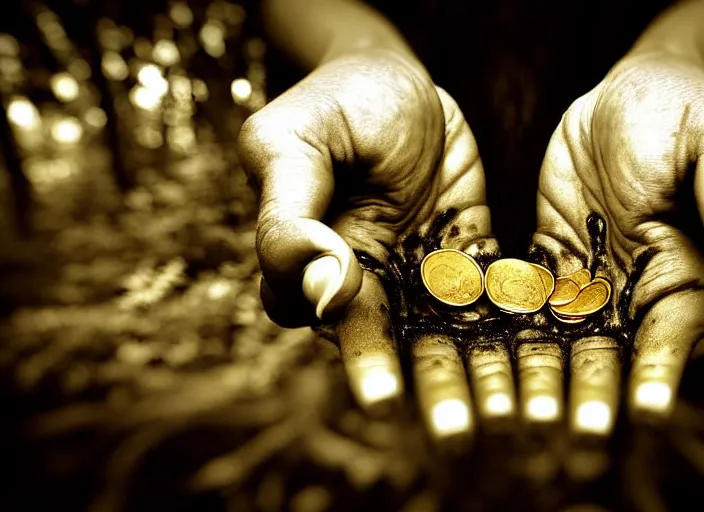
(250, 147)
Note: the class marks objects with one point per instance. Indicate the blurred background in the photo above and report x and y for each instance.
(137, 369)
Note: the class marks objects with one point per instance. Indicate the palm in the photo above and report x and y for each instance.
(393, 175)
(627, 151)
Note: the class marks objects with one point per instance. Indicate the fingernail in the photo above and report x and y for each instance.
(322, 280)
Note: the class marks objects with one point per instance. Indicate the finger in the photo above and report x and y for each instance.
(441, 386)
(594, 385)
(295, 184)
(461, 187)
(368, 348)
(492, 383)
(561, 209)
(540, 379)
(662, 346)
(461, 174)
(671, 292)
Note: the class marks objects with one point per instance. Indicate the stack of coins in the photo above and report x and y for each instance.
(514, 286)
(576, 296)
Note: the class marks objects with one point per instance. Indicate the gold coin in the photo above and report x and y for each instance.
(452, 277)
(567, 319)
(565, 292)
(517, 286)
(547, 277)
(591, 299)
(582, 277)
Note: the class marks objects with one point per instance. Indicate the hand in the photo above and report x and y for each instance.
(632, 151)
(362, 153)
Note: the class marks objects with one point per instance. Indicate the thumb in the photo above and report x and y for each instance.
(307, 267)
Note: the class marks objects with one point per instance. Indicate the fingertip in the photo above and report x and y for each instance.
(376, 382)
(662, 347)
(306, 265)
(368, 349)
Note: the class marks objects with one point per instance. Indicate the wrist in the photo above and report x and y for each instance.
(374, 47)
(678, 33)
(378, 55)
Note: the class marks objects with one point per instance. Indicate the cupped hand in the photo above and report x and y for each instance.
(632, 151)
(363, 152)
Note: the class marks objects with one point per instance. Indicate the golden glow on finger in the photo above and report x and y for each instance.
(22, 113)
(450, 416)
(378, 383)
(653, 396)
(593, 416)
(499, 404)
(542, 408)
(64, 87)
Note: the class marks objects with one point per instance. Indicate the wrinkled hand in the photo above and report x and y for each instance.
(363, 152)
(631, 150)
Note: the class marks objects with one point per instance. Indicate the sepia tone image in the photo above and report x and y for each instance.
(346, 255)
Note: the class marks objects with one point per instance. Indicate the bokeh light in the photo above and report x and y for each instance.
(65, 87)
(200, 90)
(9, 46)
(145, 97)
(150, 76)
(165, 52)
(181, 14)
(114, 66)
(22, 113)
(212, 37)
(67, 130)
(241, 90)
(96, 117)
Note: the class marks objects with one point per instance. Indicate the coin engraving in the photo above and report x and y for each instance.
(452, 277)
(565, 292)
(590, 299)
(582, 277)
(517, 286)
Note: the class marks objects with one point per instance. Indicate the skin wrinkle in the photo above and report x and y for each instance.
(564, 223)
(616, 251)
(681, 146)
(657, 279)
(623, 253)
